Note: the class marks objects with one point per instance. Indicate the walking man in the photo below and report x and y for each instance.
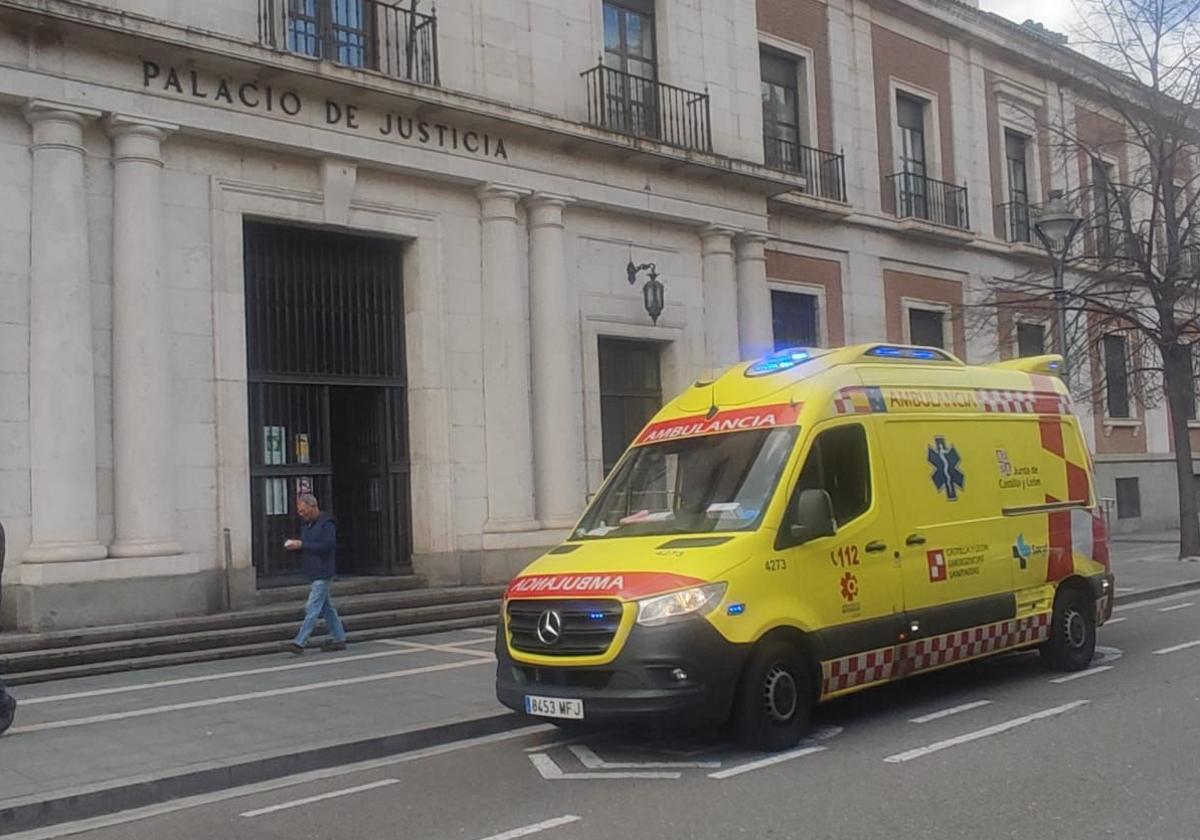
(318, 547)
(8, 705)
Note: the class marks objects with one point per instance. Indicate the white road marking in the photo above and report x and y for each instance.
(1178, 607)
(1095, 669)
(1126, 589)
(953, 710)
(778, 758)
(252, 695)
(551, 771)
(525, 831)
(226, 675)
(1116, 620)
(320, 797)
(998, 728)
(1175, 648)
(136, 815)
(491, 633)
(588, 758)
(560, 743)
(1150, 602)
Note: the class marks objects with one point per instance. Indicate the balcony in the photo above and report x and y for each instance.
(824, 172)
(1018, 221)
(366, 34)
(930, 200)
(629, 104)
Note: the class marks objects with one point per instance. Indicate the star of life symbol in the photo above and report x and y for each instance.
(947, 477)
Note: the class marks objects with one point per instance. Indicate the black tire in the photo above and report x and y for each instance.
(1072, 642)
(775, 698)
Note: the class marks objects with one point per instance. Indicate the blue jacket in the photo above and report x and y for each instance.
(318, 548)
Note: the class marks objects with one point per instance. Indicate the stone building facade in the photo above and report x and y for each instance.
(252, 247)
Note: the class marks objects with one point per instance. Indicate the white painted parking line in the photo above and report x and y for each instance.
(252, 695)
(225, 675)
(481, 630)
(525, 831)
(778, 758)
(138, 814)
(559, 743)
(1178, 607)
(997, 729)
(588, 758)
(953, 710)
(1117, 620)
(1150, 602)
(551, 771)
(1175, 648)
(321, 797)
(1098, 669)
(1126, 589)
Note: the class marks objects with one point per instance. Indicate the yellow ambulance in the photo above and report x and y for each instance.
(811, 524)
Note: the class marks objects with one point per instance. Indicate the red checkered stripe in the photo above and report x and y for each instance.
(936, 651)
(995, 401)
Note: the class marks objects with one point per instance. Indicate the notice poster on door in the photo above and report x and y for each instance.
(276, 496)
(302, 448)
(274, 445)
(304, 485)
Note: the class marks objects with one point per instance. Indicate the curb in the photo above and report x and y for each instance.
(1156, 592)
(87, 803)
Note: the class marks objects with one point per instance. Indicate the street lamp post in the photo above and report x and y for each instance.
(1056, 225)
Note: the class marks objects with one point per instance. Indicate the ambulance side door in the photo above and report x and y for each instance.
(850, 581)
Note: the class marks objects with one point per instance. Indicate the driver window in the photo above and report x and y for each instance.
(839, 464)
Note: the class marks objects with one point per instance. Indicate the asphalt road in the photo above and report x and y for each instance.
(996, 749)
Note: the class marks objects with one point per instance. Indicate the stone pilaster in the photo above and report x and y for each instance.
(720, 296)
(755, 330)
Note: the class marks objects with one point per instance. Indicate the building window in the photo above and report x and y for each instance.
(1104, 206)
(926, 327)
(630, 393)
(1129, 498)
(1031, 340)
(632, 96)
(1116, 376)
(781, 96)
(910, 117)
(794, 318)
(333, 29)
(1016, 153)
(1190, 412)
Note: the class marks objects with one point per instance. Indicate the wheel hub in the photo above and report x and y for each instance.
(780, 694)
(1075, 629)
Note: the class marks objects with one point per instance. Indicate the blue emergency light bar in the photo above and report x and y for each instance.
(783, 360)
(886, 351)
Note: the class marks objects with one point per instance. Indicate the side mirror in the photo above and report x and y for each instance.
(813, 517)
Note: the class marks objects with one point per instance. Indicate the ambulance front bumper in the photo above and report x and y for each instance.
(685, 672)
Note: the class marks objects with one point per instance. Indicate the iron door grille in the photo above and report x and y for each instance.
(588, 627)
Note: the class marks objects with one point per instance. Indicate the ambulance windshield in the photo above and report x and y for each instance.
(691, 485)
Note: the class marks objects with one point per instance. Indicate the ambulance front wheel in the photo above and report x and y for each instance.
(774, 698)
(1072, 640)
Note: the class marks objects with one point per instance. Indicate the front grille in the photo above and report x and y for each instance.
(588, 627)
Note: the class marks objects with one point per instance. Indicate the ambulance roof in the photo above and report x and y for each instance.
(803, 386)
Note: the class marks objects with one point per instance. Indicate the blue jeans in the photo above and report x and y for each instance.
(320, 606)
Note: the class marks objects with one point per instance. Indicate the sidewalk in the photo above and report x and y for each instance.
(105, 743)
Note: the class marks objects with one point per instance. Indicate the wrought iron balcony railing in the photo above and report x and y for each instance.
(931, 200)
(824, 172)
(1018, 221)
(629, 104)
(369, 34)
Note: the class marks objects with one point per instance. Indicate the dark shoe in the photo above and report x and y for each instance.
(332, 646)
(295, 649)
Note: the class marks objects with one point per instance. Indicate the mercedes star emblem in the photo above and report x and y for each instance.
(549, 627)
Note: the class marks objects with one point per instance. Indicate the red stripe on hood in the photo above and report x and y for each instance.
(626, 585)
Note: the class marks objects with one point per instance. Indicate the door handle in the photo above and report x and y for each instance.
(876, 546)
(915, 539)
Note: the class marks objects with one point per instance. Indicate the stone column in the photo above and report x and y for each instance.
(755, 328)
(62, 391)
(143, 472)
(506, 394)
(554, 341)
(720, 297)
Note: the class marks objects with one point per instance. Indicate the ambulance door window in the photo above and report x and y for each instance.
(839, 463)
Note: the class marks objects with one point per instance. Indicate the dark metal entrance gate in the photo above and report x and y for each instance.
(325, 357)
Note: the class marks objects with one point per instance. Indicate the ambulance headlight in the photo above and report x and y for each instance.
(666, 608)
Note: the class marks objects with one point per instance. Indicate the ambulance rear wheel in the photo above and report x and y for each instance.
(1072, 641)
(774, 698)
